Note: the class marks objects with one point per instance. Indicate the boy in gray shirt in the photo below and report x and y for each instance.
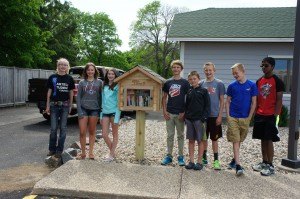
(216, 91)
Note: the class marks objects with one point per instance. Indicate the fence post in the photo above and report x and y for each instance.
(14, 86)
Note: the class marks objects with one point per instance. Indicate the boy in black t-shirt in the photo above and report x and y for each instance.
(173, 101)
(59, 100)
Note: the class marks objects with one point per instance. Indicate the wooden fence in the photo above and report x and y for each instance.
(14, 84)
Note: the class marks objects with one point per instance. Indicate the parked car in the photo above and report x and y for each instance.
(37, 90)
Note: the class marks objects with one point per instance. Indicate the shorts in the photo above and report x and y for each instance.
(108, 115)
(265, 128)
(89, 112)
(237, 129)
(194, 129)
(212, 130)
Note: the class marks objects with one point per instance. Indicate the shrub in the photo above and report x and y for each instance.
(284, 117)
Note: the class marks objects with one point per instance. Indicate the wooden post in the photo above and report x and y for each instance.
(140, 135)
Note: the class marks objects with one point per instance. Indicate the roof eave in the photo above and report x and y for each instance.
(283, 40)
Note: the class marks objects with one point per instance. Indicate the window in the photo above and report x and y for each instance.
(283, 69)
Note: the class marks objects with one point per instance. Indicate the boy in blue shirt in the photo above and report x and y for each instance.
(240, 106)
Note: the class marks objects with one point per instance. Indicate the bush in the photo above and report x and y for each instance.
(284, 117)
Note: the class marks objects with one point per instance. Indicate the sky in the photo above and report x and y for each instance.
(124, 12)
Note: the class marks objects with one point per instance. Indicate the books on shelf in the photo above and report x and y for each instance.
(138, 98)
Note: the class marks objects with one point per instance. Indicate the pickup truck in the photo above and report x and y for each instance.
(37, 90)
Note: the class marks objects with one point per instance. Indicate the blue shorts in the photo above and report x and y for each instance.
(88, 112)
(108, 115)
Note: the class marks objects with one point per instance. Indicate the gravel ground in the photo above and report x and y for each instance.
(155, 145)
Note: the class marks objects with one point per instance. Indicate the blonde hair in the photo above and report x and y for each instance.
(178, 62)
(209, 64)
(238, 66)
(63, 60)
(194, 73)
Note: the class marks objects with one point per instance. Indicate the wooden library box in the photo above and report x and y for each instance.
(140, 89)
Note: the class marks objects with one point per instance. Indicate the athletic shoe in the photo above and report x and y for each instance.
(217, 165)
(167, 160)
(232, 164)
(191, 165)
(108, 159)
(268, 170)
(204, 161)
(239, 170)
(198, 166)
(181, 160)
(258, 167)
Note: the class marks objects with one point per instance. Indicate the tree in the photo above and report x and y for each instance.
(150, 31)
(61, 20)
(22, 43)
(98, 37)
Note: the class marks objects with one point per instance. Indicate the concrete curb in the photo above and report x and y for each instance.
(93, 179)
(284, 168)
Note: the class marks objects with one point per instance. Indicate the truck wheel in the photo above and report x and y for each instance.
(46, 116)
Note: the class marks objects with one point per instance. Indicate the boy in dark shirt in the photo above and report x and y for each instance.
(173, 101)
(197, 109)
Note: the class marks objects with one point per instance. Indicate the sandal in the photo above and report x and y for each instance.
(91, 157)
(80, 156)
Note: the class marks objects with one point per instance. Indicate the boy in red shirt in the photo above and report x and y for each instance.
(269, 103)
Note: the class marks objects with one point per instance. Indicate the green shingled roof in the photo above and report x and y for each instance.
(235, 23)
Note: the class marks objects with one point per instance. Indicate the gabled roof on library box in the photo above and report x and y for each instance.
(146, 71)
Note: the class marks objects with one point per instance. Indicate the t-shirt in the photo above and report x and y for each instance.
(215, 89)
(176, 90)
(268, 88)
(60, 86)
(241, 98)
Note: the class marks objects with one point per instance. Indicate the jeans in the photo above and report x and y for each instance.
(171, 124)
(59, 117)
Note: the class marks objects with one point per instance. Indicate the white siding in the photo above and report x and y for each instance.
(224, 55)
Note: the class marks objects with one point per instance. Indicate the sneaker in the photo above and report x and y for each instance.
(232, 164)
(167, 160)
(267, 170)
(198, 166)
(204, 161)
(108, 159)
(191, 165)
(181, 161)
(50, 153)
(217, 165)
(258, 167)
(239, 170)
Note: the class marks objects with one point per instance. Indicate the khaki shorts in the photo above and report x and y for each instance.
(237, 129)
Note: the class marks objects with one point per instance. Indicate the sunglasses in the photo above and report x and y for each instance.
(265, 65)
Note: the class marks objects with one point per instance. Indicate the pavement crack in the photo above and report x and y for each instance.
(180, 184)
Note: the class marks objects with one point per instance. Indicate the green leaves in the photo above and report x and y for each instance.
(22, 41)
(97, 37)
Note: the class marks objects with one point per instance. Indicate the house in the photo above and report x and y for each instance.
(226, 36)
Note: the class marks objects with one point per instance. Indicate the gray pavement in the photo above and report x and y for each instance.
(18, 114)
(94, 179)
